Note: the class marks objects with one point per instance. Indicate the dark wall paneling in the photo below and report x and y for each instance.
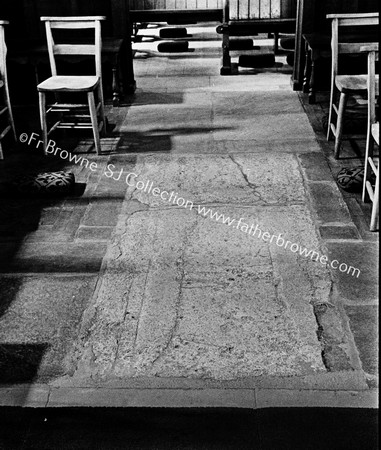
(24, 15)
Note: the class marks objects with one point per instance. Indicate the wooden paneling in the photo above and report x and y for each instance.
(262, 9)
(24, 15)
(178, 5)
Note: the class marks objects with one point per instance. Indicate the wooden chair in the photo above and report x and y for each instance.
(6, 108)
(73, 84)
(346, 85)
(373, 135)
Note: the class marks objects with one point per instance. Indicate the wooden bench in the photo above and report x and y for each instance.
(249, 17)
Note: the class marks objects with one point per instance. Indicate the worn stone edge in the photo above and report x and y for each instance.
(45, 396)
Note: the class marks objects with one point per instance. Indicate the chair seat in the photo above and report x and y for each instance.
(353, 83)
(69, 83)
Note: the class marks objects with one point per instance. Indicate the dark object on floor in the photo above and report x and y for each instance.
(290, 59)
(351, 179)
(173, 47)
(257, 61)
(324, 123)
(172, 33)
(241, 44)
(288, 43)
(49, 183)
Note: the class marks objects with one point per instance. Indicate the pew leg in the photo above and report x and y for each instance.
(226, 68)
(307, 72)
(276, 43)
(312, 92)
(115, 87)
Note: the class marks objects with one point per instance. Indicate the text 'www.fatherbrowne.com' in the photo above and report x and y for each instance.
(253, 230)
(172, 197)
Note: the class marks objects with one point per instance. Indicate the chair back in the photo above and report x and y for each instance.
(74, 23)
(351, 22)
(3, 51)
(373, 56)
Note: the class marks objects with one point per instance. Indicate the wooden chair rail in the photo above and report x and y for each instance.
(76, 19)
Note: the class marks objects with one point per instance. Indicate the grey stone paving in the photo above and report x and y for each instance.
(184, 296)
(181, 300)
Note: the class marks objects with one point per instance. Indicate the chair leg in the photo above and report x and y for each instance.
(1, 152)
(374, 221)
(368, 153)
(44, 126)
(331, 99)
(102, 110)
(340, 124)
(94, 121)
(10, 115)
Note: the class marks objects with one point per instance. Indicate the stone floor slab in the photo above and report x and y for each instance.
(292, 126)
(184, 296)
(360, 286)
(39, 322)
(328, 202)
(262, 104)
(47, 257)
(266, 179)
(364, 326)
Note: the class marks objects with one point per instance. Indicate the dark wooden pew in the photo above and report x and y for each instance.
(249, 17)
(182, 11)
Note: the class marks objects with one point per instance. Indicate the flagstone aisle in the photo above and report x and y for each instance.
(183, 296)
(183, 302)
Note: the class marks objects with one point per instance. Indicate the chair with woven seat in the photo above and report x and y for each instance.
(371, 163)
(346, 85)
(75, 84)
(5, 109)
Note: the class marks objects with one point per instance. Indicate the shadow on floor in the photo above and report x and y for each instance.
(19, 363)
(116, 428)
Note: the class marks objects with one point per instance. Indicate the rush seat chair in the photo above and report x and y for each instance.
(371, 163)
(91, 85)
(345, 85)
(6, 116)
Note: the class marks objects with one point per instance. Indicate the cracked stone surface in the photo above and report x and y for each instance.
(223, 179)
(185, 296)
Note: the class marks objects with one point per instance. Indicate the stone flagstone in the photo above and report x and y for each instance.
(185, 296)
